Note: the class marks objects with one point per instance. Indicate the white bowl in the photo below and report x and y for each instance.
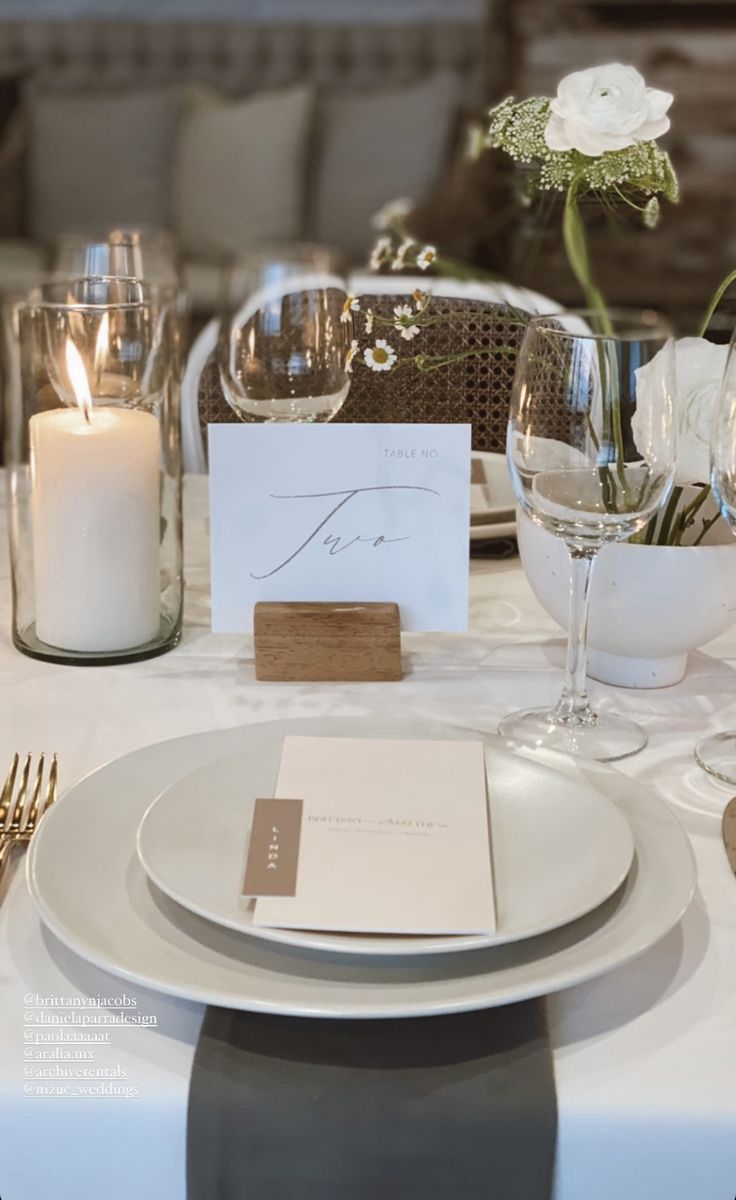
(649, 604)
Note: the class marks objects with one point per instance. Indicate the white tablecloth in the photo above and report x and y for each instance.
(645, 1057)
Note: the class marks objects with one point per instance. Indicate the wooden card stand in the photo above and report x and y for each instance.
(336, 643)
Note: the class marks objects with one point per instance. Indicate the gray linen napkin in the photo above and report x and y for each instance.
(439, 1108)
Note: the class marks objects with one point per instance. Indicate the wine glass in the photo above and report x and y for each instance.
(591, 449)
(130, 252)
(717, 754)
(283, 339)
(126, 252)
(120, 330)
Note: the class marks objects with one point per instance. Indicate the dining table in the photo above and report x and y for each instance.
(644, 1055)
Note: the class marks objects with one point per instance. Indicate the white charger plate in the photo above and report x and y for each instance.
(560, 848)
(92, 893)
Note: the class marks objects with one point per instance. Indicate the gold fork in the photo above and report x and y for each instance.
(14, 831)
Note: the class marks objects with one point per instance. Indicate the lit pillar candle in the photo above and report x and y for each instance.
(95, 514)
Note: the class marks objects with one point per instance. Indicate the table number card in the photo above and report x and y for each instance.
(340, 513)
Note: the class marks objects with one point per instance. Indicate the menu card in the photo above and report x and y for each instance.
(393, 837)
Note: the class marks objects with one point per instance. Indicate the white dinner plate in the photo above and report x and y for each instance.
(492, 496)
(560, 848)
(495, 529)
(92, 893)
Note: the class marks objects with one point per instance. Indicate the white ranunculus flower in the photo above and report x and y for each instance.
(605, 108)
(699, 368)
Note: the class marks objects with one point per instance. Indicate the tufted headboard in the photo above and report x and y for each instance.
(242, 58)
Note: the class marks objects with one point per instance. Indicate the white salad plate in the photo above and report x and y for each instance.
(92, 893)
(492, 499)
(559, 849)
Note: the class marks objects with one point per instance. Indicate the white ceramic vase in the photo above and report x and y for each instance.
(649, 604)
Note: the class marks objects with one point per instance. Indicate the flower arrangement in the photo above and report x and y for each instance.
(596, 138)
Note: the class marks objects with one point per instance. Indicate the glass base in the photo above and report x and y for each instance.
(717, 756)
(604, 737)
(168, 636)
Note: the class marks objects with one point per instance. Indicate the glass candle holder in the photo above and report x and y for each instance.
(94, 469)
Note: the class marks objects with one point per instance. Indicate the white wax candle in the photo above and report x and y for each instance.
(95, 513)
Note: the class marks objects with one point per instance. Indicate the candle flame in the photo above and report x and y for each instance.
(78, 379)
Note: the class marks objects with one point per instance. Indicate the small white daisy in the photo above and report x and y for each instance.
(407, 331)
(380, 253)
(401, 254)
(426, 257)
(351, 305)
(380, 357)
(395, 210)
(369, 321)
(351, 355)
(421, 299)
(404, 321)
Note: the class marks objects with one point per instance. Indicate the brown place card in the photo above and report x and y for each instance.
(320, 642)
(273, 852)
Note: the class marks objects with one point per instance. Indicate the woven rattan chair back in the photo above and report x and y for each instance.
(474, 389)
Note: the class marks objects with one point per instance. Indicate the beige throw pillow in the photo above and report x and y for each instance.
(100, 158)
(374, 147)
(239, 170)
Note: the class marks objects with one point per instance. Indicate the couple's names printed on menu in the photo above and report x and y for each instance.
(340, 513)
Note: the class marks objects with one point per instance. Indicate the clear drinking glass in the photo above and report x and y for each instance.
(591, 449)
(717, 754)
(282, 344)
(126, 252)
(93, 455)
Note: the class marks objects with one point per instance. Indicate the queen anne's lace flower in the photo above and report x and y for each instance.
(380, 357)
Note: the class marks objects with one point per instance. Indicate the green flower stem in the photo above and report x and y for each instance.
(434, 362)
(455, 268)
(688, 514)
(431, 362)
(707, 525)
(576, 248)
(648, 538)
(719, 294)
(668, 517)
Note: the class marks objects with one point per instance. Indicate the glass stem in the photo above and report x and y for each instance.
(573, 706)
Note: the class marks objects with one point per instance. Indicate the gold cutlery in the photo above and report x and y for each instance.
(17, 825)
